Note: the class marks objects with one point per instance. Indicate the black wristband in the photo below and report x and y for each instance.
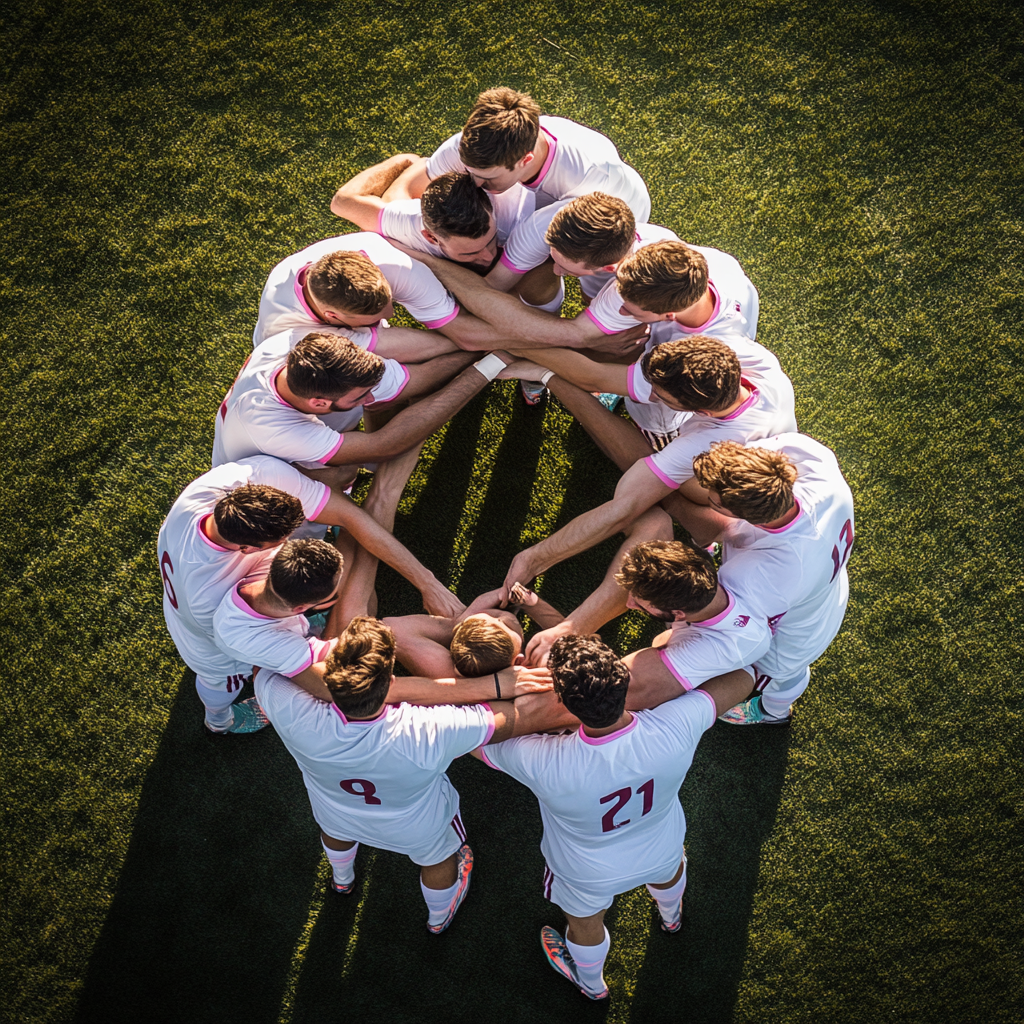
(497, 685)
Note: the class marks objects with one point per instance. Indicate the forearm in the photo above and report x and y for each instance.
(544, 614)
(452, 690)
(410, 345)
(410, 183)
(577, 369)
(426, 378)
(374, 181)
(702, 522)
(541, 712)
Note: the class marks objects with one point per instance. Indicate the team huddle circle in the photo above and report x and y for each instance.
(269, 566)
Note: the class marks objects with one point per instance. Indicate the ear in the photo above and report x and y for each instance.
(528, 159)
(520, 659)
(670, 316)
(609, 268)
(679, 616)
(320, 404)
(432, 239)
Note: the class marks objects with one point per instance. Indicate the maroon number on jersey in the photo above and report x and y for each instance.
(167, 571)
(846, 539)
(366, 789)
(621, 798)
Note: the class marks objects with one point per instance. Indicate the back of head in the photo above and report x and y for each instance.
(481, 646)
(753, 483)
(596, 230)
(328, 366)
(665, 277)
(350, 282)
(702, 374)
(670, 575)
(257, 514)
(453, 205)
(304, 572)
(589, 679)
(360, 667)
(502, 128)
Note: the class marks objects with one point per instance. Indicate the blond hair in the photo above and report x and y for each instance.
(666, 277)
(753, 483)
(480, 646)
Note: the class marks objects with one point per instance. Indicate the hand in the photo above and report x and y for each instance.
(522, 369)
(520, 570)
(532, 680)
(441, 601)
(523, 596)
(625, 342)
(492, 599)
(539, 647)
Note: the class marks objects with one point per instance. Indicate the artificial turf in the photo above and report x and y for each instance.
(862, 160)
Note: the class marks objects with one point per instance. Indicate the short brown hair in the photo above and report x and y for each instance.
(480, 647)
(453, 205)
(670, 575)
(589, 679)
(360, 667)
(701, 373)
(595, 229)
(255, 513)
(502, 128)
(753, 483)
(349, 281)
(327, 366)
(665, 277)
(304, 571)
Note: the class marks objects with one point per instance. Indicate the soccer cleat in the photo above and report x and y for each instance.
(751, 712)
(608, 400)
(561, 960)
(248, 717)
(533, 391)
(341, 890)
(464, 869)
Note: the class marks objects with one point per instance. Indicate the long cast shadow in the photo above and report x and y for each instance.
(215, 886)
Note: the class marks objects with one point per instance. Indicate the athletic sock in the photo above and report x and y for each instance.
(217, 702)
(590, 963)
(438, 901)
(775, 708)
(668, 899)
(343, 863)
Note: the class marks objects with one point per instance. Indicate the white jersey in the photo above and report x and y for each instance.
(283, 304)
(402, 221)
(380, 782)
(197, 573)
(768, 410)
(731, 640)
(796, 575)
(650, 413)
(255, 419)
(610, 804)
(579, 161)
(280, 645)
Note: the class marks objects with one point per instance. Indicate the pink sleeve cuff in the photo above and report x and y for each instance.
(323, 500)
(506, 262)
(319, 648)
(482, 751)
(302, 668)
(600, 326)
(682, 680)
(434, 324)
(334, 451)
(652, 466)
(490, 726)
(633, 369)
(373, 340)
(398, 390)
(714, 708)
(380, 222)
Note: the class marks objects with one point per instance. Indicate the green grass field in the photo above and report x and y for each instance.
(862, 161)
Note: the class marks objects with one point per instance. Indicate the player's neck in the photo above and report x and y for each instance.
(365, 718)
(718, 605)
(783, 520)
(311, 302)
(623, 721)
(281, 383)
(210, 531)
(743, 395)
(540, 154)
(699, 313)
(262, 600)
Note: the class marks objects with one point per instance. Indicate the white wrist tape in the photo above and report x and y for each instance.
(547, 376)
(490, 366)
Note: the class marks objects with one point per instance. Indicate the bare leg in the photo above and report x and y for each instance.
(586, 931)
(540, 285)
(335, 844)
(702, 522)
(440, 876)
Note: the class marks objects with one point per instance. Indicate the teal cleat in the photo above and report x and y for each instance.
(561, 960)
(751, 712)
(608, 400)
(248, 717)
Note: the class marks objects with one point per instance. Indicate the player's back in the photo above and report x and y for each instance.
(610, 804)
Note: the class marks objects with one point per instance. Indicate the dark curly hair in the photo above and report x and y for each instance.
(589, 679)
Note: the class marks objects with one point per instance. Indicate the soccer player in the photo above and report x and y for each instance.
(482, 640)
(609, 798)
(261, 620)
(730, 402)
(227, 525)
(788, 538)
(301, 402)
(454, 219)
(375, 773)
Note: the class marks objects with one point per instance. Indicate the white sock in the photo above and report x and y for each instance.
(217, 702)
(668, 899)
(779, 694)
(343, 863)
(438, 901)
(590, 962)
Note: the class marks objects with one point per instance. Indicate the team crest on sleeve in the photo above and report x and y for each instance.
(741, 620)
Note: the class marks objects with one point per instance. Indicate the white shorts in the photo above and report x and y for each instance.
(210, 664)
(425, 852)
(585, 902)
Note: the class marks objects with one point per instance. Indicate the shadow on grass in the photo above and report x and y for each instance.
(215, 886)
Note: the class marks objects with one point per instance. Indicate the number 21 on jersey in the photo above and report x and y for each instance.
(621, 798)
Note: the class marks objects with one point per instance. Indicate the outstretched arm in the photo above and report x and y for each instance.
(359, 199)
(410, 183)
(426, 378)
(577, 369)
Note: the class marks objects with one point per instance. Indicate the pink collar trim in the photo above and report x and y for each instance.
(714, 313)
(272, 381)
(747, 402)
(596, 741)
(796, 519)
(202, 533)
(300, 280)
(552, 146)
(361, 721)
(241, 604)
(721, 615)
